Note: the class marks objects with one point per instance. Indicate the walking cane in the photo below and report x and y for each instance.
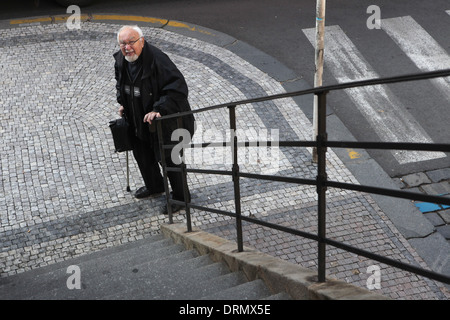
(128, 175)
(122, 142)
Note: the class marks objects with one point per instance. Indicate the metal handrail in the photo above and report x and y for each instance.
(317, 90)
(321, 181)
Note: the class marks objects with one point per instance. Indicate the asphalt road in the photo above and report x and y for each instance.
(418, 111)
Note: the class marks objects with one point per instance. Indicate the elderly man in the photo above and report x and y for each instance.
(149, 85)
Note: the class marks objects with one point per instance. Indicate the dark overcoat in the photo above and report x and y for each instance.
(163, 88)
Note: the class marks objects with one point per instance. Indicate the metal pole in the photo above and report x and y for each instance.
(164, 167)
(128, 173)
(321, 184)
(185, 183)
(320, 44)
(237, 192)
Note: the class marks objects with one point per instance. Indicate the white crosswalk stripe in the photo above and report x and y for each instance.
(420, 47)
(381, 108)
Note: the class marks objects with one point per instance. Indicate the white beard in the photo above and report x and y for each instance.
(132, 58)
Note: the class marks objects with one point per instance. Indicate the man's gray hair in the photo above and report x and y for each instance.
(134, 27)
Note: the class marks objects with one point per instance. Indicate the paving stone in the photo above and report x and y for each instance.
(445, 231)
(435, 218)
(440, 188)
(445, 215)
(399, 182)
(415, 190)
(439, 175)
(416, 179)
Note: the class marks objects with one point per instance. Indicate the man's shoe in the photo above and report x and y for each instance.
(175, 208)
(143, 192)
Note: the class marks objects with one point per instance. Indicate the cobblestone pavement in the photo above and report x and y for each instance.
(433, 182)
(62, 188)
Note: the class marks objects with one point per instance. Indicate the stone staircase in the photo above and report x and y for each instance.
(154, 268)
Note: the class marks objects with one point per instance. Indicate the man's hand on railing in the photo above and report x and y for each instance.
(149, 117)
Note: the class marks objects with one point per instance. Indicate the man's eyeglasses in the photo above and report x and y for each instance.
(131, 43)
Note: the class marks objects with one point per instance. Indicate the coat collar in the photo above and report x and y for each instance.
(148, 61)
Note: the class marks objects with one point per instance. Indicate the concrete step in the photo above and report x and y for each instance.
(253, 290)
(25, 285)
(97, 283)
(278, 296)
(153, 269)
(184, 282)
(224, 282)
(157, 241)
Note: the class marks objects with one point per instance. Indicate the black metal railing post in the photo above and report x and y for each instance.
(235, 174)
(321, 141)
(164, 169)
(184, 181)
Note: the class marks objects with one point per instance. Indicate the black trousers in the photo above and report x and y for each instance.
(148, 162)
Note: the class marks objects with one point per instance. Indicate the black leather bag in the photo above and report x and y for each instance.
(121, 134)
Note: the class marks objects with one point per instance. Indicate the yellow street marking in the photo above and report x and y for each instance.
(65, 18)
(353, 154)
(174, 24)
(20, 21)
(161, 22)
(183, 25)
(129, 18)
